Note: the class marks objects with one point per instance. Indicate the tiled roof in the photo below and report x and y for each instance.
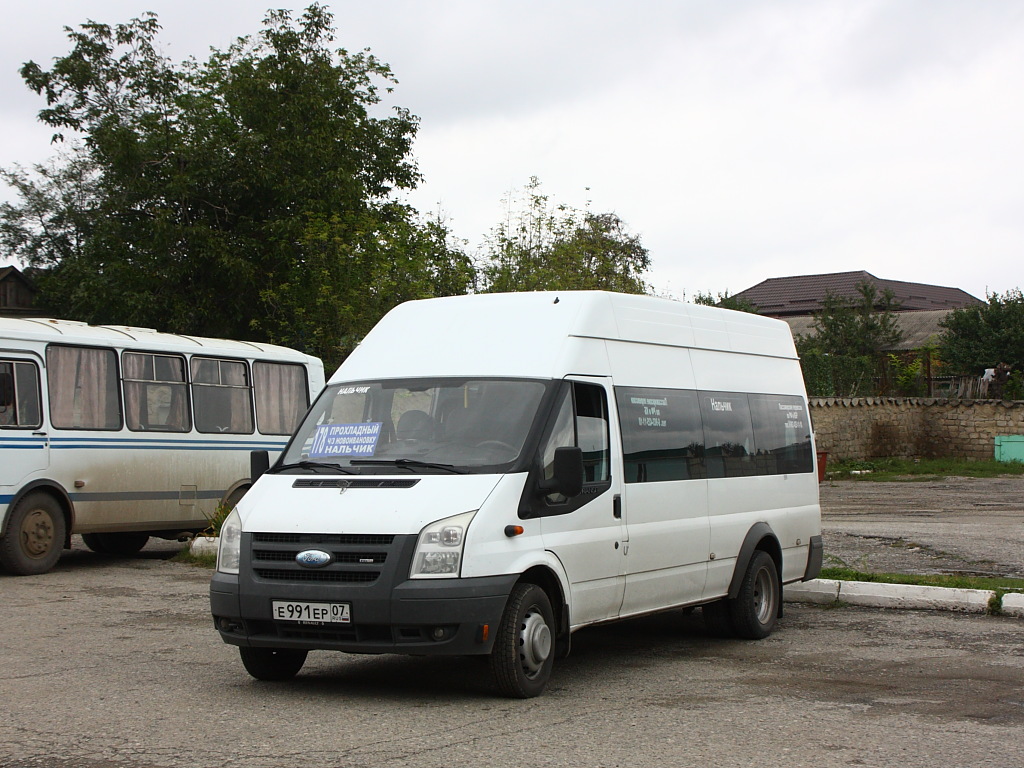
(803, 294)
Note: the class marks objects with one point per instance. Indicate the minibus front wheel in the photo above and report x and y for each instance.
(524, 649)
(272, 663)
(35, 535)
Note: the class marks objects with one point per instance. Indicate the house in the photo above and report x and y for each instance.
(796, 300)
(17, 294)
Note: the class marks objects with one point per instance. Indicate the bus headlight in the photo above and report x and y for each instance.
(229, 549)
(438, 552)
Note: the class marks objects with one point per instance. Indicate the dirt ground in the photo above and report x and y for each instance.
(956, 525)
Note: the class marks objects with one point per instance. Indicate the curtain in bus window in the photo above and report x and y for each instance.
(281, 398)
(221, 396)
(154, 392)
(82, 388)
(8, 416)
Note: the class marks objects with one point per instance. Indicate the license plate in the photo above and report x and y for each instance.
(318, 613)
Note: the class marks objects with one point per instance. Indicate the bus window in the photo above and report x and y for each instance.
(19, 395)
(221, 395)
(82, 387)
(154, 392)
(281, 397)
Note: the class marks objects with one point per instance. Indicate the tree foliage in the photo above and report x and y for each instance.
(251, 195)
(846, 354)
(985, 335)
(724, 301)
(539, 247)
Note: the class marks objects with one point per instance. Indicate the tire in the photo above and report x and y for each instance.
(718, 618)
(35, 535)
(272, 663)
(756, 608)
(524, 648)
(116, 544)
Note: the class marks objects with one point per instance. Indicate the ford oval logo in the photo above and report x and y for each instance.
(313, 558)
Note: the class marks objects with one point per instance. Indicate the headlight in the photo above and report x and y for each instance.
(438, 552)
(229, 550)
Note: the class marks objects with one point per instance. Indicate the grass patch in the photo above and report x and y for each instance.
(956, 581)
(910, 470)
(200, 560)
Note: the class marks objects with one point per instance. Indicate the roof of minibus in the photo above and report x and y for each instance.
(48, 330)
(546, 334)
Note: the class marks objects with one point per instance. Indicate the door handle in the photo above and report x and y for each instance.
(617, 506)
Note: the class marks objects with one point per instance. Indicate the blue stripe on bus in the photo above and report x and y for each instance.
(142, 496)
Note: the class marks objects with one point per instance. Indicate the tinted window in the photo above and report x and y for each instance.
(662, 437)
(83, 388)
(782, 434)
(155, 397)
(728, 434)
(19, 394)
(221, 395)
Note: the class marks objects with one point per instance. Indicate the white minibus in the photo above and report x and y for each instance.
(122, 433)
(487, 474)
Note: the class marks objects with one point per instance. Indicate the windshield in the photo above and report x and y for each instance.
(417, 425)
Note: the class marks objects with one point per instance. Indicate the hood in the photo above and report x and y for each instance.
(385, 504)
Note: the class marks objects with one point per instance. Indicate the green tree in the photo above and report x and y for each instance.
(724, 301)
(985, 335)
(541, 248)
(846, 354)
(241, 196)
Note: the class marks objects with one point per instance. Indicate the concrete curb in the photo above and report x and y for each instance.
(201, 545)
(825, 591)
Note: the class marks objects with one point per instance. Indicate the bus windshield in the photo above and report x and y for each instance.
(417, 425)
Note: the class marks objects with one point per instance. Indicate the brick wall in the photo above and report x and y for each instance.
(873, 427)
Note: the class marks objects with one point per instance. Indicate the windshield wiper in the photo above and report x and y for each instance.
(312, 465)
(410, 464)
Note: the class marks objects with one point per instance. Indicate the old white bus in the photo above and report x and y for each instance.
(122, 433)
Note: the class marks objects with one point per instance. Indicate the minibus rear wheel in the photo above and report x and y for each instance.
(755, 609)
(524, 648)
(272, 663)
(34, 537)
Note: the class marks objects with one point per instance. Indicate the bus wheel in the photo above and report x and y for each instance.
(117, 544)
(523, 652)
(35, 535)
(756, 607)
(272, 663)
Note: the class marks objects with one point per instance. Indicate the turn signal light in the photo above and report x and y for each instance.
(513, 530)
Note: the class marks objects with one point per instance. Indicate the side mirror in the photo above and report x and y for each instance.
(568, 476)
(259, 462)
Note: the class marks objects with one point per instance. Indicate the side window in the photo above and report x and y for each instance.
(82, 387)
(282, 397)
(662, 438)
(20, 405)
(155, 398)
(728, 434)
(782, 434)
(221, 396)
(581, 420)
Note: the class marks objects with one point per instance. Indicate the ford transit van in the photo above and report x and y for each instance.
(487, 474)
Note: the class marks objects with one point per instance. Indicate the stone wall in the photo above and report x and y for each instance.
(874, 427)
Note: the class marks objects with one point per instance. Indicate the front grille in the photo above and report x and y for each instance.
(356, 558)
(323, 575)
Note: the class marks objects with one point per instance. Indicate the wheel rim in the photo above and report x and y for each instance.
(37, 534)
(764, 596)
(534, 642)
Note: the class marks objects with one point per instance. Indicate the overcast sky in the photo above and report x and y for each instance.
(741, 140)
